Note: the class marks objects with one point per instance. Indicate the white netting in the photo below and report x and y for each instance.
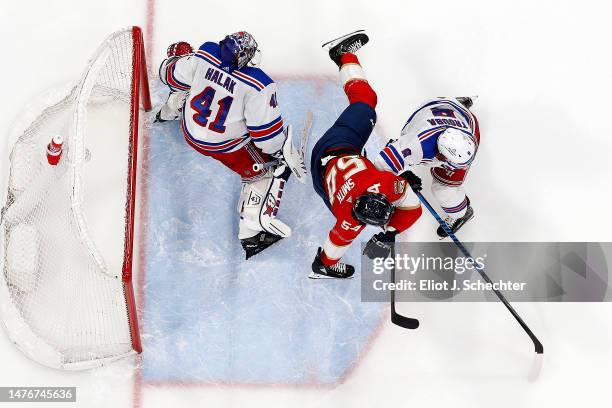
(63, 229)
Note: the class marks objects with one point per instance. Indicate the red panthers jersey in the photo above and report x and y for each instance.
(347, 178)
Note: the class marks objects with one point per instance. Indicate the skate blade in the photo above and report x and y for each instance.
(443, 238)
(251, 252)
(333, 42)
(314, 275)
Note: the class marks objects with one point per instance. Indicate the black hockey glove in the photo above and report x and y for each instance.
(379, 246)
(415, 181)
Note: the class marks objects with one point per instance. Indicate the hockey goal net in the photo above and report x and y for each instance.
(67, 231)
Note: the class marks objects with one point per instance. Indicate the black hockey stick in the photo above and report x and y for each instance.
(396, 318)
(538, 346)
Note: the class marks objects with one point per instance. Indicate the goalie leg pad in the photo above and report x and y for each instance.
(258, 206)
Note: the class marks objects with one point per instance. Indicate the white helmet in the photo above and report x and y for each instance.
(457, 147)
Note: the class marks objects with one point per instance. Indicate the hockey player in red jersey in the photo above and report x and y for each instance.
(354, 190)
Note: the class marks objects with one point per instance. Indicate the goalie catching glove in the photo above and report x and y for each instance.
(178, 49)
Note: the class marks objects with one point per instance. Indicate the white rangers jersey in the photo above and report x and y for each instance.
(417, 143)
(225, 108)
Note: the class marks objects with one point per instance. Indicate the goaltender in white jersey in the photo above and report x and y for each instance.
(229, 111)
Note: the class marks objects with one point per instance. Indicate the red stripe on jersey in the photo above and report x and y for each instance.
(396, 162)
(261, 133)
(209, 56)
(249, 78)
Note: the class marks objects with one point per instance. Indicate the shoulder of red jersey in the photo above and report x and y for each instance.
(387, 183)
(374, 180)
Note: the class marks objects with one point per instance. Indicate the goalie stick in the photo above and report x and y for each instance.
(305, 132)
(539, 349)
(288, 149)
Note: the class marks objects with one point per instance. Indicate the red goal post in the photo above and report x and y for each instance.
(140, 85)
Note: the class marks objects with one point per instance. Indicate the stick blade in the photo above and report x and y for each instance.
(539, 348)
(403, 321)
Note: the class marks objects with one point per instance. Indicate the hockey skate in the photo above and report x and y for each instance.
(339, 270)
(257, 243)
(351, 42)
(465, 101)
(456, 224)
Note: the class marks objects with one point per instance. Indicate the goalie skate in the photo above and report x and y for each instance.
(255, 244)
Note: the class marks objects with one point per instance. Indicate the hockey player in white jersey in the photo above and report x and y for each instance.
(229, 111)
(443, 134)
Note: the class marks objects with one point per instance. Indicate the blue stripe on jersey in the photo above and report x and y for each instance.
(177, 81)
(267, 125)
(457, 208)
(181, 85)
(261, 139)
(389, 162)
(397, 155)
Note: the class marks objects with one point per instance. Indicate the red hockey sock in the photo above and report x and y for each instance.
(359, 90)
(326, 260)
(348, 58)
(356, 86)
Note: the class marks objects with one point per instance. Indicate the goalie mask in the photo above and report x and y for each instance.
(238, 49)
(373, 209)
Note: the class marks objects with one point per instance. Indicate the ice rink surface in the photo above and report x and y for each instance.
(222, 332)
